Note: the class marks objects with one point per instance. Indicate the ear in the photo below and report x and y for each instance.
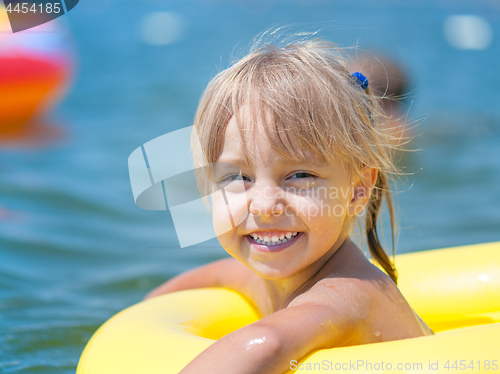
(362, 190)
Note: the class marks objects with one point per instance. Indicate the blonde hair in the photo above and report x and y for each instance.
(310, 95)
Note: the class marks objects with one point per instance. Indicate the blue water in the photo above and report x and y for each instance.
(74, 248)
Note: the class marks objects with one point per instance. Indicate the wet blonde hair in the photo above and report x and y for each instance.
(305, 90)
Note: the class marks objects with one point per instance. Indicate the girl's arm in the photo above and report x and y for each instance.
(214, 274)
(276, 342)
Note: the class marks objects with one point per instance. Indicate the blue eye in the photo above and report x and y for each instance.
(232, 178)
(302, 175)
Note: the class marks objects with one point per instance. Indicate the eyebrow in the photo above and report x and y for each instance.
(283, 161)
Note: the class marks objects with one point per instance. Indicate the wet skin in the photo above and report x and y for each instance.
(316, 291)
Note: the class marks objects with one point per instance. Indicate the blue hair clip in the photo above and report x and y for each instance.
(361, 79)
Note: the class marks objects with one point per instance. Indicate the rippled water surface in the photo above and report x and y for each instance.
(74, 248)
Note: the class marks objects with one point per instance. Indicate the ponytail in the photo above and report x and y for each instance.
(377, 252)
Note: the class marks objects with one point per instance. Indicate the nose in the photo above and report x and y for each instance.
(266, 200)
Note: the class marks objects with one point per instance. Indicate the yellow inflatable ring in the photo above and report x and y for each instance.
(455, 290)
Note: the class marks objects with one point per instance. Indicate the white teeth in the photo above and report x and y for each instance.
(266, 240)
(274, 238)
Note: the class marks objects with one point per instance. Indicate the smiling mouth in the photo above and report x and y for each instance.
(274, 240)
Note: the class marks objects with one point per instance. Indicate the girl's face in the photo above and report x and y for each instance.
(286, 216)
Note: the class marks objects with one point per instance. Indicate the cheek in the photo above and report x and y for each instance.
(221, 218)
(321, 210)
(223, 226)
(228, 242)
(225, 219)
(227, 216)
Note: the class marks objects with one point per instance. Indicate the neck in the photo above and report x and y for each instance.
(282, 291)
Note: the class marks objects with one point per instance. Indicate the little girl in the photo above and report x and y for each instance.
(305, 143)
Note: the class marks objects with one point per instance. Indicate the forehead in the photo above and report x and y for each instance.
(249, 137)
(233, 141)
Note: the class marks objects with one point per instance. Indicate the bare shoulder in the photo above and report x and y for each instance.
(348, 297)
(373, 307)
